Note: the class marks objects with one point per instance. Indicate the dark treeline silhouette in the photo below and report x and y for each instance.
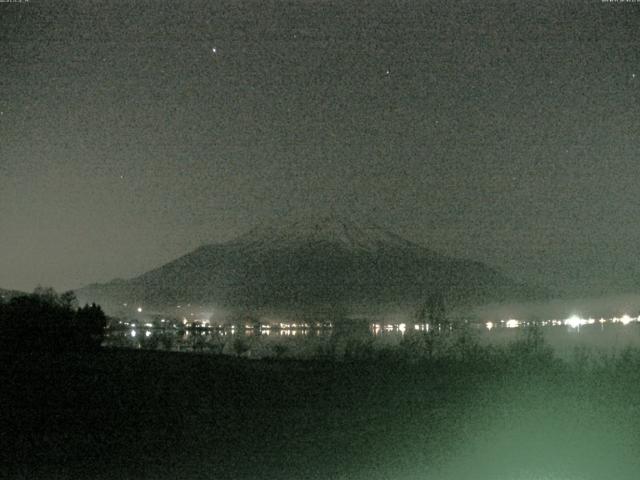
(433, 310)
(45, 321)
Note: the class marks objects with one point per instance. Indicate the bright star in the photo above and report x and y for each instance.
(214, 50)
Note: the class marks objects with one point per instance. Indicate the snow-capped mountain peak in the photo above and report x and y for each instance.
(332, 229)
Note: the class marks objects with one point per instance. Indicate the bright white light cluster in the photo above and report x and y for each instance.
(574, 321)
(512, 323)
(402, 328)
(625, 319)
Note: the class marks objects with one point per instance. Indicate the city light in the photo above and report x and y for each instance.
(512, 323)
(575, 321)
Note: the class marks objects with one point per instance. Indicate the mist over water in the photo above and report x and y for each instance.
(566, 341)
(560, 308)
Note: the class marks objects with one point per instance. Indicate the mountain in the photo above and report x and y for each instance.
(312, 263)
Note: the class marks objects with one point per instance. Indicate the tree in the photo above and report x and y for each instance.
(240, 346)
(89, 324)
(45, 321)
(433, 310)
(279, 350)
(69, 300)
(46, 295)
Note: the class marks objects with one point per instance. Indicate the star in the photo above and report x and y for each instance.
(214, 50)
(633, 75)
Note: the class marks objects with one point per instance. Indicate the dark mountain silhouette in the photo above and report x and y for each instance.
(312, 262)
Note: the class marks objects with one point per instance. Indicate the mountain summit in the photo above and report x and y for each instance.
(312, 262)
(329, 229)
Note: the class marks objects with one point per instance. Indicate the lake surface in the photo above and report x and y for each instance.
(605, 336)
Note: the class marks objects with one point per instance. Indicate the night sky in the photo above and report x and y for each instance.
(133, 132)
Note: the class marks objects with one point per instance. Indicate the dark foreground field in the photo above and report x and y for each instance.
(156, 415)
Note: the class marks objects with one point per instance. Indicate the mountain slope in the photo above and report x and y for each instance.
(312, 262)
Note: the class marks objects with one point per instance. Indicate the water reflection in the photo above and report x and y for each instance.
(300, 338)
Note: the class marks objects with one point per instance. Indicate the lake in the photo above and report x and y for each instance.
(602, 335)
